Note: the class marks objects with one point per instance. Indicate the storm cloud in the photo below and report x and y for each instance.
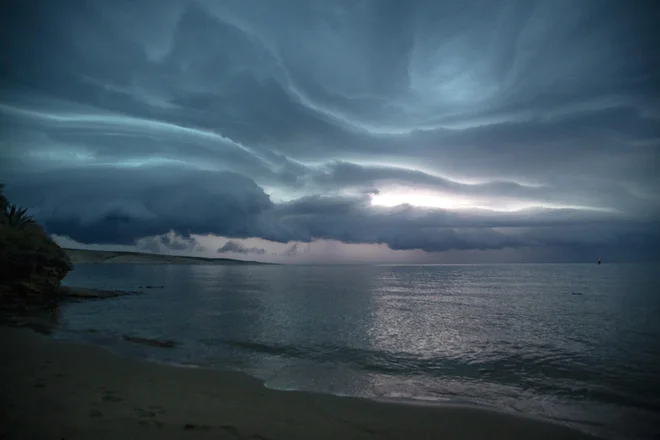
(234, 247)
(431, 125)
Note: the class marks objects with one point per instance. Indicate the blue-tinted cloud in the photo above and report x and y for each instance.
(535, 123)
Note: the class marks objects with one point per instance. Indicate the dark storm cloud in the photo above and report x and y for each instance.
(571, 191)
(121, 205)
(128, 120)
(405, 227)
(170, 241)
(232, 246)
(177, 242)
(195, 202)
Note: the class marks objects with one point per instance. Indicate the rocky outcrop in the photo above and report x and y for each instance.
(32, 266)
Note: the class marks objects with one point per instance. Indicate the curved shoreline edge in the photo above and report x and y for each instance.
(55, 389)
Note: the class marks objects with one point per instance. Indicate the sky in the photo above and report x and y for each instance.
(337, 131)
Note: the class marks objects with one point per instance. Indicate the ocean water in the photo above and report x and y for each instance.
(514, 337)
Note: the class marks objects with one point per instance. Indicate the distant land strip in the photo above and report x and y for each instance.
(85, 256)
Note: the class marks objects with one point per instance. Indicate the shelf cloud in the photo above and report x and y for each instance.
(431, 127)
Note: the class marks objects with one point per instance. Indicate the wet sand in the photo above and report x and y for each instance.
(56, 390)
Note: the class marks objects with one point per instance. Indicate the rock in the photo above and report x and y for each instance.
(87, 293)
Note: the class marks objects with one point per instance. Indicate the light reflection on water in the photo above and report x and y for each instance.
(511, 336)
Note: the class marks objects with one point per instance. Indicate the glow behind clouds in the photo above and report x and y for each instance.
(425, 130)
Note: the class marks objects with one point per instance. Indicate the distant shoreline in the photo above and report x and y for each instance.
(85, 256)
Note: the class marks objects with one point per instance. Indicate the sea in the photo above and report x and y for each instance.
(575, 343)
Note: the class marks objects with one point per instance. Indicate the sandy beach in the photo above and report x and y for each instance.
(57, 390)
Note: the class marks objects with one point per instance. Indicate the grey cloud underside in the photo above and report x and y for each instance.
(141, 203)
(277, 119)
(235, 247)
(169, 241)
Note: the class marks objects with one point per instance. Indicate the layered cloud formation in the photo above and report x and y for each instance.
(433, 125)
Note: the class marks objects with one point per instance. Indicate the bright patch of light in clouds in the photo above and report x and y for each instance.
(419, 198)
(429, 199)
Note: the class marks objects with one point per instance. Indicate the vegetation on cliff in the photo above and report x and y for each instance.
(32, 265)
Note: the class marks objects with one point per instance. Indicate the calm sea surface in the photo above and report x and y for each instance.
(509, 336)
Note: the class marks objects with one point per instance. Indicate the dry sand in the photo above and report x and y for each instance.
(55, 390)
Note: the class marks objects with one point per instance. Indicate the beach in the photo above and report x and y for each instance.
(60, 390)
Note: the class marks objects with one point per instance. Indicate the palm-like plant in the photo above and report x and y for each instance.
(11, 215)
(17, 217)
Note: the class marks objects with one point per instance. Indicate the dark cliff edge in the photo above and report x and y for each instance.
(32, 267)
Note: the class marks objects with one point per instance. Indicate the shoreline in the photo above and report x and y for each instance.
(57, 389)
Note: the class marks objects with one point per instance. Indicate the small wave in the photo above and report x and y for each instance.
(556, 374)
